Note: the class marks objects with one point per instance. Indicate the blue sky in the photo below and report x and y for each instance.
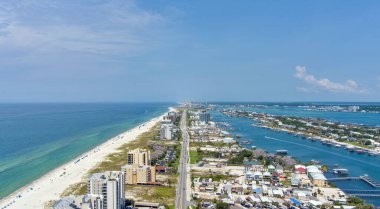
(122, 50)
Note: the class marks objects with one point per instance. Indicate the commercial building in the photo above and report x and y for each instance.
(139, 157)
(110, 185)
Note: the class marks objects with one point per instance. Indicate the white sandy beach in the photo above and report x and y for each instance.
(51, 185)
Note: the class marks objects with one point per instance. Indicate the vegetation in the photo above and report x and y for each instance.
(188, 121)
(221, 205)
(214, 144)
(240, 157)
(214, 177)
(159, 194)
(194, 157)
(359, 203)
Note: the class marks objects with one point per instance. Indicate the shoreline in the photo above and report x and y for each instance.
(52, 184)
(318, 138)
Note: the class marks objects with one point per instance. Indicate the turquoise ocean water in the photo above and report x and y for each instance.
(36, 138)
(306, 150)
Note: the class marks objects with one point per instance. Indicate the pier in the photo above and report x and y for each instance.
(366, 179)
(370, 181)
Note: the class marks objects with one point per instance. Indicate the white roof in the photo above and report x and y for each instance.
(254, 199)
(315, 203)
(313, 169)
(278, 192)
(258, 173)
(318, 176)
(266, 173)
(299, 166)
(265, 199)
(301, 194)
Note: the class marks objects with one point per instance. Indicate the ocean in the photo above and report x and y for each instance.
(36, 138)
(306, 150)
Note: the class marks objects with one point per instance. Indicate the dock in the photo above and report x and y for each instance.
(370, 181)
(364, 178)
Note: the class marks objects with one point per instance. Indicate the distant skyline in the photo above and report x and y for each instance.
(136, 51)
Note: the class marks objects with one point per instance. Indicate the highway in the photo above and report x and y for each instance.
(181, 194)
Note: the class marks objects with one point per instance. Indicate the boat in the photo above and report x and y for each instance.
(238, 136)
(245, 142)
(340, 171)
(315, 162)
(373, 153)
(253, 147)
(282, 152)
(337, 145)
(350, 148)
(312, 139)
(360, 151)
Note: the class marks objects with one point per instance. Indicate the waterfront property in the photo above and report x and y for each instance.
(110, 185)
(139, 169)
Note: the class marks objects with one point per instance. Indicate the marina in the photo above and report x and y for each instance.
(312, 149)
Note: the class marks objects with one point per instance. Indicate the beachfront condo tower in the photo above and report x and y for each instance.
(110, 185)
(139, 174)
(139, 157)
(138, 170)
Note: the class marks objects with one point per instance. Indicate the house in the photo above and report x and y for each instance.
(294, 182)
(161, 169)
(267, 175)
(258, 175)
(271, 168)
(300, 168)
(249, 176)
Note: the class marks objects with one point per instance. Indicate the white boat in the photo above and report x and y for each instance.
(282, 152)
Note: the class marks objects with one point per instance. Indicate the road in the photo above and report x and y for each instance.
(181, 194)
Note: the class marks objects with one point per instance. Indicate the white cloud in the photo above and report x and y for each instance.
(350, 86)
(112, 26)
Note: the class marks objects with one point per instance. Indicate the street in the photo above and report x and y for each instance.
(181, 198)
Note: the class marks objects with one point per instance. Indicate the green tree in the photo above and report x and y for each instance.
(221, 205)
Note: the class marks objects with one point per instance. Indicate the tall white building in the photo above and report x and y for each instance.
(166, 132)
(204, 116)
(110, 185)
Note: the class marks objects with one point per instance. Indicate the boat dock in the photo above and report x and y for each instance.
(364, 178)
(370, 181)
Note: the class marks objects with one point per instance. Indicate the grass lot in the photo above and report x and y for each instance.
(162, 195)
(358, 144)
(214, 144)
(215, 177)
(194, 157)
